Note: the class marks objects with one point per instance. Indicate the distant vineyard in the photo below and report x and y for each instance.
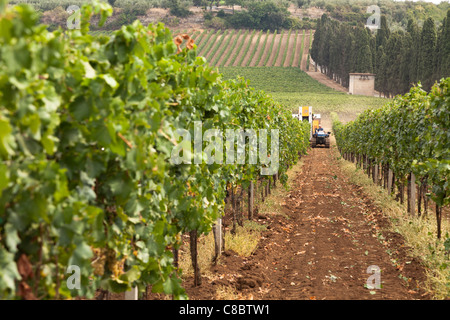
(252, 48)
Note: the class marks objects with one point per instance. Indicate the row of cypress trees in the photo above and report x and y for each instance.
(399, 59)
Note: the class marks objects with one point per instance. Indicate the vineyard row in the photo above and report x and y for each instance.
(405, 145)
(87, 129)
(250, 48)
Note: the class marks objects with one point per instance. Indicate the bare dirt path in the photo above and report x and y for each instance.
(218, 41)
(284, 42)
(322, 78)
(316, 75)
(305, 50)
(298, 57)
(290, 50)
(322, 246)
(224, 40)
(258, 50)
(205, 44)
(239, 45)
(225, 53)
(202, 35)
(242, 47)
(274, 50)
(254, 43)
(266, 50)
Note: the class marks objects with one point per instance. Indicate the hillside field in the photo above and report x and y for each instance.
(277, 62)
(253, 48)
(293, 88)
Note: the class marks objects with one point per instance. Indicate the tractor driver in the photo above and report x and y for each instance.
(319, 129)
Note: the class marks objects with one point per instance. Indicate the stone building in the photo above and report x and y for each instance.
(362, 84)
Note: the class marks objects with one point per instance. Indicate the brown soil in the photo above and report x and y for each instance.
(317, 75)
(258, 50)
(154, 15)
(322, 78)
(225, 53)
(297, 57)
(237, 48)
(305, 50)
(284, 42)
(274, 50)
(251, 48)
(204, 45)
(321, 247)
(242, 47)
(218, 41)
(312, 12)
(291, 51)
(223, 40)
(196, 20)
(203, 35)
(266, 50)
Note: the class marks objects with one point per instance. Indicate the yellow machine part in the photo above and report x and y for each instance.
(305, 111)
(315, 125)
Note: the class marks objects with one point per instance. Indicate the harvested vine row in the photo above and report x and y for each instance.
(91, 170)
(409, 138)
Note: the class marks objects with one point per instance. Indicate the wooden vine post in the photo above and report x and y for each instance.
(251, 195)
(132, 294)
(390, 180)
(423, 197)
(439, 220)
(240, 207)
(233, 209)
(218, 239)
(375, 172)
(194, 257)
(412, 195)
(262, 191)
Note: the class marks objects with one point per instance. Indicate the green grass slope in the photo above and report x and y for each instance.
(293, 88)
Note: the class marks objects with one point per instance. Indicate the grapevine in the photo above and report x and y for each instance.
(87, 127)
(409, 135)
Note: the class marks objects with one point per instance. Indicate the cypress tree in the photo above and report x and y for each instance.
(405, 63)
(364, 60)
(394, 48)
(335, 51)
(427, 54)
(382, 33)
(324, 53)
(364, 55)
(316, 42)
(438, 54)
(399, 60)
(381, 78)
(380, 43)
(348, 55)
(346, 43)
(378, 69)
(413, 31)
(373, 49)
(445, 48)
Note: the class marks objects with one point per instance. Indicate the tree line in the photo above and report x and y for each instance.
(399, 59)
